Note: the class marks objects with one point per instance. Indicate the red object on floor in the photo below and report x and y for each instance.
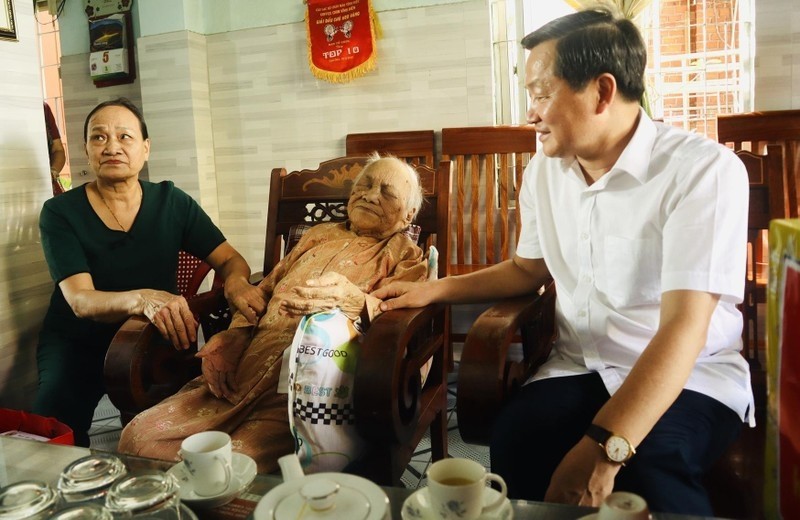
(57, 432)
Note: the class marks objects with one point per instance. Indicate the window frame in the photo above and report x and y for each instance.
(517, 17)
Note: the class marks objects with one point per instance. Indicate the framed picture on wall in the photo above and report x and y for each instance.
(8, 31)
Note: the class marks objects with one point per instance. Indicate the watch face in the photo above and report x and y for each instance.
(618, 449)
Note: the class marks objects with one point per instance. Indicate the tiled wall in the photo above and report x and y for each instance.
(777, 55)
(267, 110)
(25, 284)
(175, 94)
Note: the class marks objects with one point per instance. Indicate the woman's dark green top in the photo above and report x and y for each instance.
(75, 240)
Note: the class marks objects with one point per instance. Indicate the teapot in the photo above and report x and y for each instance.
(321, 496)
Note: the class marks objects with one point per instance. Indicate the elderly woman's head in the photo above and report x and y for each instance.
(386, 197)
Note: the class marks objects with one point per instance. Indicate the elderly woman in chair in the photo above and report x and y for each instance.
(333, 265)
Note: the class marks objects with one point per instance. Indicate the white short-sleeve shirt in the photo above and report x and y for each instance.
(671, 214)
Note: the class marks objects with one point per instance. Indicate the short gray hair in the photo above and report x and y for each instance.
(415, 195)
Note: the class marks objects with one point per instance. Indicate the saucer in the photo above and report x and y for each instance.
(242, 475)
(418, 507)
(357, 499)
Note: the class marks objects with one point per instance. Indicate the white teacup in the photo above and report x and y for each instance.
(456, 487)
(207, 458)
(622, 505)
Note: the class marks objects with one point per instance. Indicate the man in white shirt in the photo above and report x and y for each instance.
(643, 228)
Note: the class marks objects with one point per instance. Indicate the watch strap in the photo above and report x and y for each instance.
(598, 434)
(601, 436)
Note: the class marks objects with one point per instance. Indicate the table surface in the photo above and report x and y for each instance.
(31, 460)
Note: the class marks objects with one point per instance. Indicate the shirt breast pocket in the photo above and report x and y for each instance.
(633, 270)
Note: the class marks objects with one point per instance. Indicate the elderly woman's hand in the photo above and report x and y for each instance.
(171, 315)
(221, 357)
(327, 292)
(246, 298)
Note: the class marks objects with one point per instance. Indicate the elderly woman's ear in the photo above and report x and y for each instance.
(410, 217)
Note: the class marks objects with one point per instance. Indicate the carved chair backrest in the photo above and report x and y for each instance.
(488, 163)
(320, 195)
(753, 131)
(767, 202)
(414, 146)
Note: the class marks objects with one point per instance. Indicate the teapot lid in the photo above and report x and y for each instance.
(324, 496)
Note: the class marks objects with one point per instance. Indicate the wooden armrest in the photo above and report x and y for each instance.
(142, 368)
(487, 376)
(388, 396)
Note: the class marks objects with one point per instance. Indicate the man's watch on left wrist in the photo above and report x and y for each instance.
(617, 448)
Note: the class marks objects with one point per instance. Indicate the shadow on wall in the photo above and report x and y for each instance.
(26, 282)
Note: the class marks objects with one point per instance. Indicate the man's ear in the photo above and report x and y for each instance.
(606, 91)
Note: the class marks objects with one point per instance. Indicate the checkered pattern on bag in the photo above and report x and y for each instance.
(322, 413)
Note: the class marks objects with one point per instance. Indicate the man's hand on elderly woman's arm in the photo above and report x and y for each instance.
(401, 295)
(327, 292)
(220, 357)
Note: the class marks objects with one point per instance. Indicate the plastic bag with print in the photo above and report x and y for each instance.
(322, 364)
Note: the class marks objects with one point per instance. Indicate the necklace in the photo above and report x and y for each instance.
(111, 210)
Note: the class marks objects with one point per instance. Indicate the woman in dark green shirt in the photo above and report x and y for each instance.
(112, 249)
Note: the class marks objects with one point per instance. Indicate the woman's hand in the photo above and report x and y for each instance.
(221, 357)
(327, 292)
(249, 300)
(246, 298)
(171, 315)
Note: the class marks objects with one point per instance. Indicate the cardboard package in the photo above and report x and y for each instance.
(782, 461)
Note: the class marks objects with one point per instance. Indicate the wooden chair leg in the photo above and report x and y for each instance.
(735, 483)
(439, 436)
(448, 340)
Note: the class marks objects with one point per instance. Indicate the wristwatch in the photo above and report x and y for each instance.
(617, 448)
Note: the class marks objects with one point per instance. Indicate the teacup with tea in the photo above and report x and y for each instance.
(457, 487)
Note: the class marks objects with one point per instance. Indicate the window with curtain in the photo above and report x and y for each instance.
(700, 56)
